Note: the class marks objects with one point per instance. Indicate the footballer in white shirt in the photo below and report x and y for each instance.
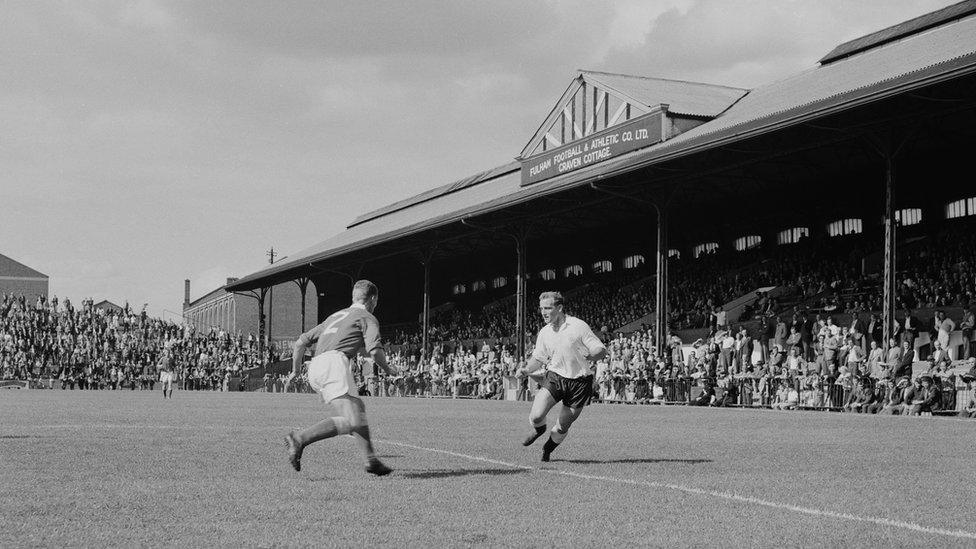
(566, 347)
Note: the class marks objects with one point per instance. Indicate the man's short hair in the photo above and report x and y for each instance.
(556, 297)
(362, 290)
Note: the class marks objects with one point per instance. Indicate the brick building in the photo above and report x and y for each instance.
(19, 279)
(239, 312)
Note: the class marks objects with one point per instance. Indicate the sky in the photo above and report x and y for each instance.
(143, 142)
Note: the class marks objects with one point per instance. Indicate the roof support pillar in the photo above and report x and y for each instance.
(890, 248)
(519, 234)
(661, 291)
(260, 295)
(425, 314)
(660, 206)
(888, 146)
(302, 287)
(520, 294)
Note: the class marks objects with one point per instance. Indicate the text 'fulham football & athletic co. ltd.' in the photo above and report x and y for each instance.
(612, 142)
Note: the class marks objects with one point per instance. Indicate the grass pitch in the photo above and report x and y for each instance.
(84, 468)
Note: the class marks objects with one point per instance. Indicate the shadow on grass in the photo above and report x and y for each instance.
(390, 456)
(9, 437)
(634, 460)
(449, 473)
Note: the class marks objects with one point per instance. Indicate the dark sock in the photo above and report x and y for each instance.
(321, 430)
(540, 429)
(549, 446)
(361, 434)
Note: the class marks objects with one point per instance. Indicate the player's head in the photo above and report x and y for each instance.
(366, 293)
(551, 306)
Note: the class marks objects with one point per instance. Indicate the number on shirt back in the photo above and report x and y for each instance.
(333, 326)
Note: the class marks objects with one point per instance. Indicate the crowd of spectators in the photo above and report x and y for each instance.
(102, 348)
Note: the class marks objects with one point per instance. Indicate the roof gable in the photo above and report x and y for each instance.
(595, 101)
(9, 267)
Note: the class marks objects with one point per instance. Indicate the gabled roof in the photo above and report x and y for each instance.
(9, 267)
(901, 30)
(688, 98)
(945, 52)
(106, 304)
(595, 101)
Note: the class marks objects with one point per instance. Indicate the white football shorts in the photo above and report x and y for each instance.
(330, 373)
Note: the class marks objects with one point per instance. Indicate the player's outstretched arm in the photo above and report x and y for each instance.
(298, 357)
(379, 357)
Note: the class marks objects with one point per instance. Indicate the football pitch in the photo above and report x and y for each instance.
(82, 468)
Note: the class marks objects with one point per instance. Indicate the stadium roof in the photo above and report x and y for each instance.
(16, 269)
(894, 32)
(912, 62)
(688, 98)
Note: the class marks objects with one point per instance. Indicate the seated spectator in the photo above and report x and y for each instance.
(731, 395)
(862, 397)
(707, 396)
(899, 397)
(930, 398)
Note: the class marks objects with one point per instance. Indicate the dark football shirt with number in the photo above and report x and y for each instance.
(348, 330)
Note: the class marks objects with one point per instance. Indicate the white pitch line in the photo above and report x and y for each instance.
(711, 493)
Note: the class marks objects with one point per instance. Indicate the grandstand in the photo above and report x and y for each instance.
(813, 185)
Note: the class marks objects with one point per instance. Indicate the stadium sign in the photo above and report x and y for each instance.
(635, 134)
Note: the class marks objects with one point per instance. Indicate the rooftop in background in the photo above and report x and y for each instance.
(682, 97)
(11, 268)
(901, 30)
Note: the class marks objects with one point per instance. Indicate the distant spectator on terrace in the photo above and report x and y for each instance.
(930, 398)
(908, 327)
(967, 324)
(905, 362)
(943, 327)
(781, 332)
(940, 358)
(857, 331)
(875, 329)
(898, 397)
(875, 363)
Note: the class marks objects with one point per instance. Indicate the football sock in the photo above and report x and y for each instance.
(539, 425)
(362, 435)
(327, 428)
(548, 448)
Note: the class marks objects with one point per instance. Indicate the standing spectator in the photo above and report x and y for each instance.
(943, 327)
(905, 362)
(909, 328)
(967, 324)
(781, 332)
(745, 351)
(857, 331)
(875, 361)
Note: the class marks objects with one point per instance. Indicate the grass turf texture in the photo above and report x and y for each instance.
(122, 468)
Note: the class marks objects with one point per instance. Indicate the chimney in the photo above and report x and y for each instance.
(186, 292)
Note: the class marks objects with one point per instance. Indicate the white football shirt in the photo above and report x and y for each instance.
(565, 350)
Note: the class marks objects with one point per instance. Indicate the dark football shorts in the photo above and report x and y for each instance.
(574, 393)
